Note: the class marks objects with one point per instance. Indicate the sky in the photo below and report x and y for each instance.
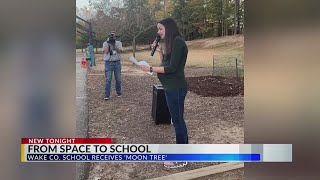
(81, 3)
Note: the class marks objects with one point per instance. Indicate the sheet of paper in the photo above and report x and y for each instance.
(143, 63)
(134, 60)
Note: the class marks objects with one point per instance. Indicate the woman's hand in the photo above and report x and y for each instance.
(145, 68)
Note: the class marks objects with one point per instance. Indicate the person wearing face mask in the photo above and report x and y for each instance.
(171, 75)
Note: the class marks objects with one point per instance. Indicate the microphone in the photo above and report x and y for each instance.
(155, 47)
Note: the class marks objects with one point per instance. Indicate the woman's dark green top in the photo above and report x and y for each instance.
(173, 76)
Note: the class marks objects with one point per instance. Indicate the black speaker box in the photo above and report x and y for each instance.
(160, 111)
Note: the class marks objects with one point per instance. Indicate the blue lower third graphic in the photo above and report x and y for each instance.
(145, 157)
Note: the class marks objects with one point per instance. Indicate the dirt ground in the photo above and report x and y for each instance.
(215, 86)
(210, 120)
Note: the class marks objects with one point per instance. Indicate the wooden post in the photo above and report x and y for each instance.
(237, 67)
(213, 65)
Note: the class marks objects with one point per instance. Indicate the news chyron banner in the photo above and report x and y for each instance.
(105, 150)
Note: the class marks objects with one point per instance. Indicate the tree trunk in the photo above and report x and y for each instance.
(164, 9)
(226, 24)
(236, 7)
(222, 18)
(238, 23)
(223, 27)
(134, 47)
(220, 28)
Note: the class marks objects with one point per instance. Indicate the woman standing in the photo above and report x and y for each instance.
(172, 78)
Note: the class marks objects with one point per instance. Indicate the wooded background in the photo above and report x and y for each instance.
(135, 20)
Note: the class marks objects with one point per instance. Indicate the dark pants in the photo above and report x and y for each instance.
(175, 100)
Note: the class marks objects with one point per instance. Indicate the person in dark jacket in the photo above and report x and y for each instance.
(171, 75)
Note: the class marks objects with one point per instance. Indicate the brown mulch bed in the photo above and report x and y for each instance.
(215, 86)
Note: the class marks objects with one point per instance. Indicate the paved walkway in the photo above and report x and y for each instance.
(82, 169)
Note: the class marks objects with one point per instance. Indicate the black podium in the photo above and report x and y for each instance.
(160, 111)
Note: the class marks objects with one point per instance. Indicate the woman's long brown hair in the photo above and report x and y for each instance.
(171, 32)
